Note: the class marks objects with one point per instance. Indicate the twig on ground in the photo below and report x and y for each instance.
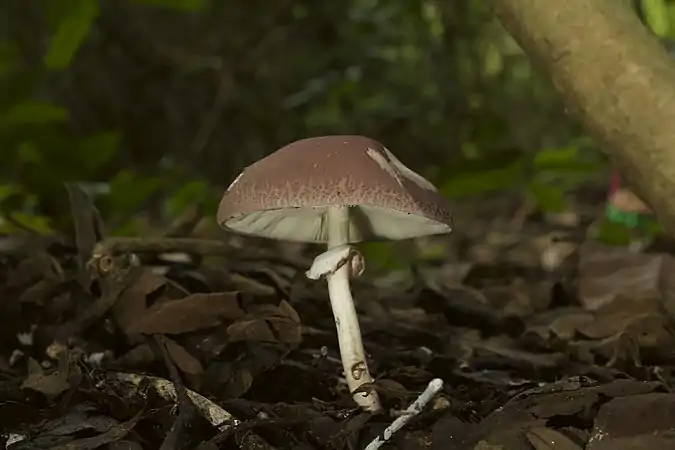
(414, 409)
(176, 437)
(113, 246)
(216, 415)
(117, 245)
(89, 229)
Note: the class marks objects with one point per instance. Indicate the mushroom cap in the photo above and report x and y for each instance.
(286, 195)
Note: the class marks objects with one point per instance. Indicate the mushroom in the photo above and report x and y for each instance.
(336, 190)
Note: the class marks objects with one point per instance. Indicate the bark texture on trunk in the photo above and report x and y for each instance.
(615, 76)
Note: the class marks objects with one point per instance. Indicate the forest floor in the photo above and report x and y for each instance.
(544, 340)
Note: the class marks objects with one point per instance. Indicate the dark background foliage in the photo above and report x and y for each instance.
(155, 105)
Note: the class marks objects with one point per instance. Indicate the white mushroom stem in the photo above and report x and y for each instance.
(346, 321)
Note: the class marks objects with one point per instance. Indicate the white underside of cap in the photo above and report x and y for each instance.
(367, 223)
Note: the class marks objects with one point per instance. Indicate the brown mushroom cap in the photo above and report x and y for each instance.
(286, 195)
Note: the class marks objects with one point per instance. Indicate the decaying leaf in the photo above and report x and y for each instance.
(138, 356)
(268, 323)
(50, 384)
(251, 285)
(544, 438)
(287, 324)
(61, 430)
(113, 281)
(132, 303)
(182, 358)
(617, 316)
(37, 266)
(88, 229)
(388, 390)
(194, 312)
(482, 445)
(257, 330)
(511, 426)
(608, 272)
(648, 426)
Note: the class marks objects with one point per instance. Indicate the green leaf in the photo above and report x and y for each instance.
(493, 60)
(480, 182)
(380, 255)
(129, 191)
(657, 16)
(9, 56)
(98, 149)
(7, 190)
(614, 234)
(71, 33)
(32, 112)
(190, 194)
(28, 152)
(573, 167)
(547, 198)
(184, 5)
(567, 160)
(555, 156)
(36, 223)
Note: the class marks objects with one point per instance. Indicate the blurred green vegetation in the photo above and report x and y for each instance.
(155, 105)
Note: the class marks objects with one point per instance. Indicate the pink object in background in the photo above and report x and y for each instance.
(623, 198)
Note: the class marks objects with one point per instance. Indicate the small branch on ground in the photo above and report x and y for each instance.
(118, 245)
(414, 409)
(177, 437)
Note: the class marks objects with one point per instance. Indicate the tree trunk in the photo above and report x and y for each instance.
(615, 76)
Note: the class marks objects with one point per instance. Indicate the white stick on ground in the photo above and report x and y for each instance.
(411, 411)
(346, 321)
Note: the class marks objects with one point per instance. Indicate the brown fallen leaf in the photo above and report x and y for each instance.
(88, 229)
(389, 390)
(287, 324)
(42, 291)
(648, 426)
(509, 425)
(482, 445)
(268, 323)
(51, 385)
(124, 445)
(194, 312)
(33, 268)
(544, 438)
(251, 285)
(138, 356)
(608, 272)
(567, 325)
(617, 316)
(113, 434)
(132, 303)
(257, 330)
(667, 285)
(182, 358)
(625, 327)
(114, 277)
